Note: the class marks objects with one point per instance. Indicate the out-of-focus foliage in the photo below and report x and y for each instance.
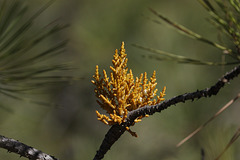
(225, 17)
(25, 64)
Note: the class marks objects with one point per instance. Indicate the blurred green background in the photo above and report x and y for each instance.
(97, 28)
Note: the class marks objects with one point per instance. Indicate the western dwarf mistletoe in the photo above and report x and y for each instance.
(121, 93)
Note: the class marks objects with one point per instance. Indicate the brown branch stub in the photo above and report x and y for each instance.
(23, 150)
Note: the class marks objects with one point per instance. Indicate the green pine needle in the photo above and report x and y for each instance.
(188, 32)
(225, 17)
(162, 55)
(26, 63)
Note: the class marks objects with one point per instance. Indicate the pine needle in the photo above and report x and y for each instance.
(209, 120)
(233, 139)
(187, 31)
(163, 55)
(27, 62)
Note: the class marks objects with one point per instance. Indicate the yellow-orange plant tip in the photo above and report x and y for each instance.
(121, 93)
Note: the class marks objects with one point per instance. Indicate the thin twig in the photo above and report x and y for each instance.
(116, 131)
(202, 154)
(23, 150)
(209, 120)
(233, 139)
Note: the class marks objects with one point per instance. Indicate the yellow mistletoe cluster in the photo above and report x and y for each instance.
(121, 93)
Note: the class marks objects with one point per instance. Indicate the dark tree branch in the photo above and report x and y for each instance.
(113, 134)
(23, 150)
(208, 92)
(116, 131)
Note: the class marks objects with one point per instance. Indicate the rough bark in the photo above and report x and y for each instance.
(116, 131)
